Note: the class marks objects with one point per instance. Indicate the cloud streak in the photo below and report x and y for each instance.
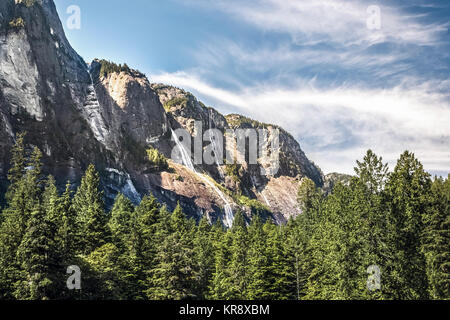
(338, 21)
(317, 70)
(336, 126)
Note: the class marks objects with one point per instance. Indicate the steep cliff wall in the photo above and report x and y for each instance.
(109, 115)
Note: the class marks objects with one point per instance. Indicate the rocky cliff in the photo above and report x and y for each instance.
(110, 115)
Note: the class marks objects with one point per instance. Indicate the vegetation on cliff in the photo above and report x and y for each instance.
(27, 3)
(176, 102)
(17, 23)
(108, 67)
(158, 160)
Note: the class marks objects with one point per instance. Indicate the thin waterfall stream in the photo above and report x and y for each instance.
(187, 161)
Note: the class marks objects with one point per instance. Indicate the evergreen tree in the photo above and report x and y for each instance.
(143, 242)
(281, 276)
(38, 259)
(204, 257)
(106, 267)
(301, 232)
(370, 203)
(23, 198)
(90, 215)
(221, 283)
(18, 164)
(66, 227)
(408, 191)
(120, 222)
(173, 275)
(238, 269)
(372, 172)
(436, 240)
(259, 263)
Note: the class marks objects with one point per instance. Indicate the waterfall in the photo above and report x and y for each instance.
(214, 146)
(260, 191)
(94, 115)
(187, 161)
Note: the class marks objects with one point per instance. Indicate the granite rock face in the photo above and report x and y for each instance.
(78, 114)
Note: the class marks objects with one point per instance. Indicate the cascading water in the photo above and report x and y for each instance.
(187, 161)
(95, 118)
(259, 191)
(214, 146)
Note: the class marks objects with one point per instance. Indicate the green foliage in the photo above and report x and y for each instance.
(119, 223)
(17, 23)
(90, 215)
(157, 159)
(174, 273)
(108, 67)
(397, 221)
(436, 241)
(256, 207)
(176, 102)
(240, 121)
(233, 171)
(27, 3)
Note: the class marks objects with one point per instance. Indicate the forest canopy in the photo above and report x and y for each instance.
(395, 222)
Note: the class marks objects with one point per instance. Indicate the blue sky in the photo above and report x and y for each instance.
(313, 67)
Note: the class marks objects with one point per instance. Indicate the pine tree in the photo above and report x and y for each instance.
(372, 215)
(38, 258)
(23, 197)
(238, 268)
(329, 246)
(120, 226)
(174, 273)
(221, 283)
(282, 277)
(66, 227)
(436, 240)
(301, 232)
(372, 172)
(204, 257)
(143, 242)
(120, 222)
(18, 164)
(308, 197)
(106, 267)
(408, 191)
(299, 263)
(90, 216)
(258, 263)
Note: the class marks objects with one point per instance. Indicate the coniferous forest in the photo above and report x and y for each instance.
(395, 220)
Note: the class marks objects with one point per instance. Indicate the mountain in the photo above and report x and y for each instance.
(113, 116)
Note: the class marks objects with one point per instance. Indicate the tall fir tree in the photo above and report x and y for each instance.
(120, 221)
(23, 197)
(259, 263)
(91, 219)
(408, 191)
(436, 240)
(204, 258)
(39, 260)
(238, 268)
(220, 286)
(174, 274)
(143, 242)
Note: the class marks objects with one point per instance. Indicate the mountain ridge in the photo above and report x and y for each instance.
(79, 113)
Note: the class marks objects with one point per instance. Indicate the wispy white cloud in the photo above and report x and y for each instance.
(339, 87)
(284, 58)
(338, 21)
(336, 126)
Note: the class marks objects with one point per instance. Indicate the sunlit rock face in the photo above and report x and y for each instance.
(77, 113)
